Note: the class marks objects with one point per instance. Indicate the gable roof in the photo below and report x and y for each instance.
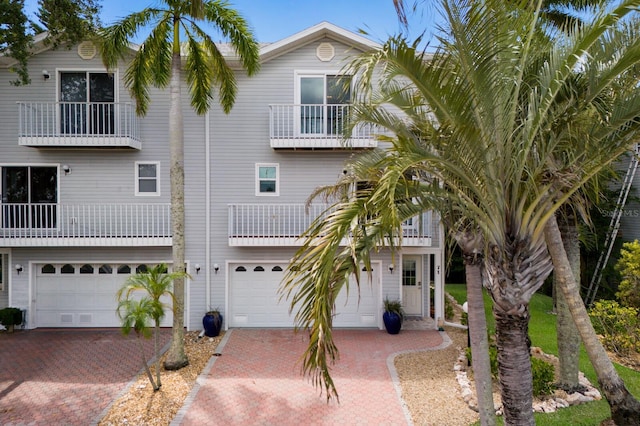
(268, 51)
(323, 29)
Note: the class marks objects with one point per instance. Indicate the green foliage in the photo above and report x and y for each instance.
(10, 316)
(619, 326)
(543, 377)
(448, 309)
(67, 22)
(393, 306)
(629, 267)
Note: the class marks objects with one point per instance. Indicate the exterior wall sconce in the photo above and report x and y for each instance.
(391, 268)
(18, 268)
(197, 266)
(45, 75)
(66, 169)
(216, 268)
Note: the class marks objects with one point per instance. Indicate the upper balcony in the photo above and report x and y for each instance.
(78, 124)
(73, 225)
(253, 225)
(316, 127)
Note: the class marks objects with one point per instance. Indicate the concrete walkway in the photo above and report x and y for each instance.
(257, 380)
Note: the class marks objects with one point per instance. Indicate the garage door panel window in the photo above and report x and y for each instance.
(48, 269)
(67, 269)
(86, 269)
(124, 269)
(105, 269)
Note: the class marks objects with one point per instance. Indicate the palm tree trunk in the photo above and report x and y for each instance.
(568, 336)
(146, 366)
(176, 358)
(479, 341)
(514, 366)
(156, 351)
(625, 409)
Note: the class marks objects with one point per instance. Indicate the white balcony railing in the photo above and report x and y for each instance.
(78, 124)
(316, 126)
(282, 225)
(84, 224)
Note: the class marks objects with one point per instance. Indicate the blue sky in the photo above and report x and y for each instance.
(273, 20)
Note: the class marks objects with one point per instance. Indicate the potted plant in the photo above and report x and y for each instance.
(212, 323)
(392, 316)
(10, 317)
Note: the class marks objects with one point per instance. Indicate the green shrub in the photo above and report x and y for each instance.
(543, 377)
(629, 267)
(619, 326)
(10, 316)
(542, 371)
(448, 309)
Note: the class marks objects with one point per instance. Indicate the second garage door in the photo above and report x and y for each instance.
(254, 300)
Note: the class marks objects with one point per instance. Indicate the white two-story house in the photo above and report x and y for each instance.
(85, 190)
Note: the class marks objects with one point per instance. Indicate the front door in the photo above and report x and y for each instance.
(412, 285)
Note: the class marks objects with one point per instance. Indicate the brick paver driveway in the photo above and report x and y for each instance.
(64, 377)
(257, 380)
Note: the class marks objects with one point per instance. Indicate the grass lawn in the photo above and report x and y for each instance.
(542, 331)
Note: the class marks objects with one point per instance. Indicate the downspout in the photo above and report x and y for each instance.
(207, 211)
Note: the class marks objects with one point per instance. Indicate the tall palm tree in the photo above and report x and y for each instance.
(151, 285)
(477, 115)
(158, 63)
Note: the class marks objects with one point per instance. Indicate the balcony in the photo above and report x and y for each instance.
(316, 127)
(97, 225)
(252, 225)
(78, 124)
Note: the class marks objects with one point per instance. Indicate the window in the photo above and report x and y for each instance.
(29, 196)
(87, 103)
(324, 103)
(267, 179)
(147, 178)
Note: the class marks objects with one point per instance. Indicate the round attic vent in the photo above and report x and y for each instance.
(325, 52)
(87, 50)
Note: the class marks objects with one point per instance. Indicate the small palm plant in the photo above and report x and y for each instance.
(139, 304)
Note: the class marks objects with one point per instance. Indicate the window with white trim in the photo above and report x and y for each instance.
(147, 178)
(267, 176)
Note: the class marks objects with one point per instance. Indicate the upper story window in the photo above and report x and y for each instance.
(267, 176)
(147, 178)
(87, 103)
(29, 196)
(324, 102)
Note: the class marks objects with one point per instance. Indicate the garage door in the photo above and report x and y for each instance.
(81, 295)
(254, 299)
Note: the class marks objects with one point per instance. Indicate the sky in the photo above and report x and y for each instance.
(273, 20)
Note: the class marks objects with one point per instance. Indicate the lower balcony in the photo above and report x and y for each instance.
(74, 225)
(78, 124)
(252, 225)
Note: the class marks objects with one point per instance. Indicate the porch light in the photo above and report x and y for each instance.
(45, 75)
(391, 268)
(18, 268)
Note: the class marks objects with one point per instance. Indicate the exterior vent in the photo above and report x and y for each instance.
(325, 52)
(85, 319)
(87, 50)
(66, 319)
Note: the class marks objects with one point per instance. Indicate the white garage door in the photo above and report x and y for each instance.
(81, 295)
(254, 300)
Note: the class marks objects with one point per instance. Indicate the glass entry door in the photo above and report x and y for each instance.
(324, 101)
(87, 103)
(29, 197)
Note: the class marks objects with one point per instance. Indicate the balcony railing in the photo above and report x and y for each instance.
(78, 124)
(33, 224)
(282, 225)
(316, 126)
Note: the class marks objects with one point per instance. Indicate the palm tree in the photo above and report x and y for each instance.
(158, 63)
(153, 284)
(478, 116)
(136, 315)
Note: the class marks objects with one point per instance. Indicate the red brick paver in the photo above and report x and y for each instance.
(65, 377)
(257, 380)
